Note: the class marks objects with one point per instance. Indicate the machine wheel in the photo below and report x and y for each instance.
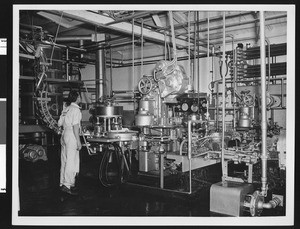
(145, 85)
(248, 100)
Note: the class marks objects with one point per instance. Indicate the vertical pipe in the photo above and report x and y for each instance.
(269, 63)
(263, 104)
(190, 153)
(133, 56)
(217, 106)
(103, 75)
(81, 46)
(198, 59)
(208, 71)
(223, 102)
(67, 64)
(173, 35)
(165, 46)
(189, 48)
(98, 72)
(111, 94)
(234, 86)
(161, 167)
(142, 46)
(195, 57)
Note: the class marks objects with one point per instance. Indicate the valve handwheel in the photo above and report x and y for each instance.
(248, 100)
(145, 85)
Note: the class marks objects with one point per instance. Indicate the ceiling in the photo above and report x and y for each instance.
(78, 28)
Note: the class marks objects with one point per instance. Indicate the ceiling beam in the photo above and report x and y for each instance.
(122, 27)
(60, 20)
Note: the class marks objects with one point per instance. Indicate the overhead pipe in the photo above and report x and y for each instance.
(263, 104)
(74, 38)
(64, 46)
(241, 23)
(134, 16)
(180, 25)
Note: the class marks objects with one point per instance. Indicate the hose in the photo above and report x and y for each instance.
(115, 153)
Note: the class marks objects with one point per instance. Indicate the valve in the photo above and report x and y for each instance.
(145, 85)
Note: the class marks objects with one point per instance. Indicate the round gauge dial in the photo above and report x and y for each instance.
(194, 108)
(184, 106)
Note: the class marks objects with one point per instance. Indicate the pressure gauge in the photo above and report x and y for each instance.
(194, 108)
(184, 106)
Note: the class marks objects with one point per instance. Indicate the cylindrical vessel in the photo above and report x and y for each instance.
(109, 111)
(143, 118)
(244, 117)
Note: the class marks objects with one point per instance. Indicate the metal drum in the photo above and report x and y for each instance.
(109, 111)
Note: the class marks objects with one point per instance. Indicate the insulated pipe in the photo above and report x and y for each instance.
(173, 35)
(263, 105)
(223, 102)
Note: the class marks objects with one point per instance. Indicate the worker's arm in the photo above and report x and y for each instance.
(76, 129)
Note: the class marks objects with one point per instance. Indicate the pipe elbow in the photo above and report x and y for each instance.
(272, 203)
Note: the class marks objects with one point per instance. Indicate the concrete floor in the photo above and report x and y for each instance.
(39, 194)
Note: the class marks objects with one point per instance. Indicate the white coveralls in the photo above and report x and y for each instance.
(70, 116)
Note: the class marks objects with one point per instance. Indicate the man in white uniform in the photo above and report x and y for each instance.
(70, 143)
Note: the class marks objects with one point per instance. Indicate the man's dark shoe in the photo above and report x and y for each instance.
(63, 188)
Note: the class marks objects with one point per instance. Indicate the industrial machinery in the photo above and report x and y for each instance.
(179, 132)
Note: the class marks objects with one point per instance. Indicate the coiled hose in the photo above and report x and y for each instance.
(111, 169)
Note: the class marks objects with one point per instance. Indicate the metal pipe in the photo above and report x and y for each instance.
(263, 104)
(142, 46)
(269, 63)
(240, 23)
(161, 167)
(74, 38)
(272, 203)
(173, 35)
(133, 54)
(177, 26)
(198, 61)
(67, 64)
(224, 176)
(195, 66)
(110, 71)
(190, 153)
(189, 48)
(208, 73)
(97, 71)
(190, 150)
(64, 46)
(134, 16)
